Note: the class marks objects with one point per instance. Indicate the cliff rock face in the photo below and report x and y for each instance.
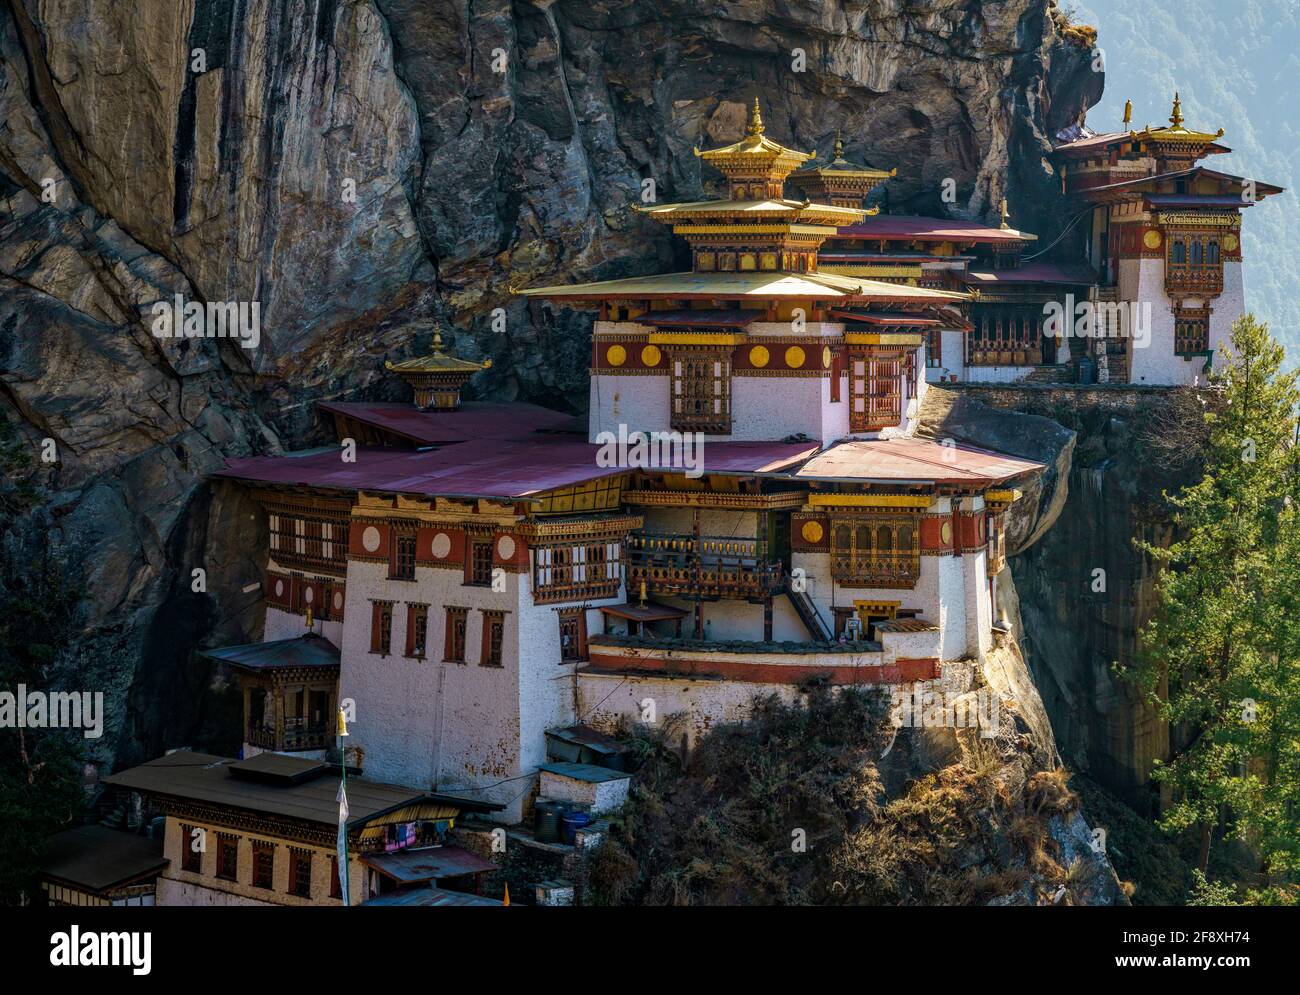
(1084, 590)
(362, 169)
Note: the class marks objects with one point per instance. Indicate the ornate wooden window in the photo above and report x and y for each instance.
(1191, 330)
(227, 857)
(263, 864)
(576, 572)
(381, 627)
(875, 390)
(479, 563)
(300, 872)
(1193, 263)
(417, 630)
(870, 551)
(573, 635)
(191, 848)
(494, 633)
(454, 645)
(700, 385)
(401, 560)
(309, 541)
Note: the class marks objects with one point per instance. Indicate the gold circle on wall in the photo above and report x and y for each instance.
(945, 533)
(1230, 243)
(826, 357)
(1151, 239)
(758, 356)
(650, 356)
(811, 531)
(617, 355)
(794, 357)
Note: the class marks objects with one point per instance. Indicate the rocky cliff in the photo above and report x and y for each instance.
(365, 169)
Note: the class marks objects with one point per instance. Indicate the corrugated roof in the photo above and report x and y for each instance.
(427, 863)
(99, 859)
(900, 226)
(585, 772)
(307, 650)
(503, 470)
(748, 284)
(1071, 273)
(207, 778)
(912, 461)
(430, 897)
(471, 421)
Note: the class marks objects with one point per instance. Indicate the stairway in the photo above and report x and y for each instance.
(807, 613)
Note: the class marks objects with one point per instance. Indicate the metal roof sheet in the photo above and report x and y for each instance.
(429, 897)
(1071, 273)
(427, 863)
(307, 650)
(98, 859)
(502, 470)
(203, 777)
(471, 421)
(912, 461)
(585, 772)
(900, 226)
(759, 283)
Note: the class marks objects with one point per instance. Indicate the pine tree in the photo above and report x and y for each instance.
(1219, 656)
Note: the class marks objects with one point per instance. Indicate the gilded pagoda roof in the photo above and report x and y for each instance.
(755, 150)
(1176, 132)
(760, 284)
(843, 167)
(785, 210)
(437, 362)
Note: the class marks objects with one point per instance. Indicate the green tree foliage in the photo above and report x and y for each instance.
(1220, 655)
(40, 769)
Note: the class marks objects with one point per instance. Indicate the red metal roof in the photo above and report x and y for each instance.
(900, 226)
(897, 461)
(473, 420)
(491, 469)
(1072, 273)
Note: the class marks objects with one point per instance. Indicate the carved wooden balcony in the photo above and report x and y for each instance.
(1199, 280)
(876, 569)
(710, 567)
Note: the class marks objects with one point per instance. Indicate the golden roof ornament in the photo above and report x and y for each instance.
(755, 121)
(1128, 112)
(1176, 118)
(437, 378)
(839, 148)
(1004, 226)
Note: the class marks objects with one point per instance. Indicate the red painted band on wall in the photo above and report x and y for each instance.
(900, 672)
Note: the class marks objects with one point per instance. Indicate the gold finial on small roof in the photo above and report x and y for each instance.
(839, 146)
(1128, 112)
(1004, 226)
(308, 622)
(755, 121)
(1176, 118)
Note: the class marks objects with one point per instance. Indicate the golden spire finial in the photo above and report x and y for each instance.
(1176, 118)
(308, 622)
(755, 121)
(1004, 226)
(437, 340)
(1128, 112)
(839, 146)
